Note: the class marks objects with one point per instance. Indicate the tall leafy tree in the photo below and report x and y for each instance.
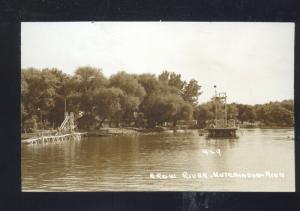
(203, 114)
(133, 96)
(167, 108)
(108, 104)
(172, 79)
(191, 92)
(86, 81)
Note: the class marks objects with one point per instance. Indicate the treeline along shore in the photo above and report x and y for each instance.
(141, 101)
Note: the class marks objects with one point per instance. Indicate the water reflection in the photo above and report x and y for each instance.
(123, 163)
(221, 143)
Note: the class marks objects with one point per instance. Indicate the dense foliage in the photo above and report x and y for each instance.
(144, 100)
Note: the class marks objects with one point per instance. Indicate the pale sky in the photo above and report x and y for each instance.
(252, 62)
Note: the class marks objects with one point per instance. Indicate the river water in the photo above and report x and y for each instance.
(259, 160)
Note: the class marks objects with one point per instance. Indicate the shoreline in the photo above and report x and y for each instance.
(268, 127)
(126, 131)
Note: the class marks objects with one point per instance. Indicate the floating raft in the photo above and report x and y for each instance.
(54, 138)
(222, 132)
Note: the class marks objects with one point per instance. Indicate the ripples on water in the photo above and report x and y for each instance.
(124, 163)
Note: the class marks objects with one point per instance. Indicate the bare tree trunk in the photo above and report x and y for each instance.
(101, 122)
(174, 122)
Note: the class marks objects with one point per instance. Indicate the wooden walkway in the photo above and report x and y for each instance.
(64, 133)
(54, 138)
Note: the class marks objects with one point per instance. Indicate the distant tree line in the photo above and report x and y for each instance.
(123, 99)
(279, 114)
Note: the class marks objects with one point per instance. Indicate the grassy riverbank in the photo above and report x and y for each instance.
(112, 131)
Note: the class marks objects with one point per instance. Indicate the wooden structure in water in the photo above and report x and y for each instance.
(222, 127)
(65, 132)
(54, 138)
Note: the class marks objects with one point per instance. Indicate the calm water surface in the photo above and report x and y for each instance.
(125, 163)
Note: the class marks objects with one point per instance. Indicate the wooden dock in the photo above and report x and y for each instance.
(54, 138)
(65, 132)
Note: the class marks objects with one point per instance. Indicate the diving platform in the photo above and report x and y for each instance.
(221, 127)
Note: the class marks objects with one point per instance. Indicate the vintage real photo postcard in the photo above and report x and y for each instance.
(157, 106)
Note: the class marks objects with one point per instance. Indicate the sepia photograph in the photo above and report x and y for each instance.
(157, 106)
